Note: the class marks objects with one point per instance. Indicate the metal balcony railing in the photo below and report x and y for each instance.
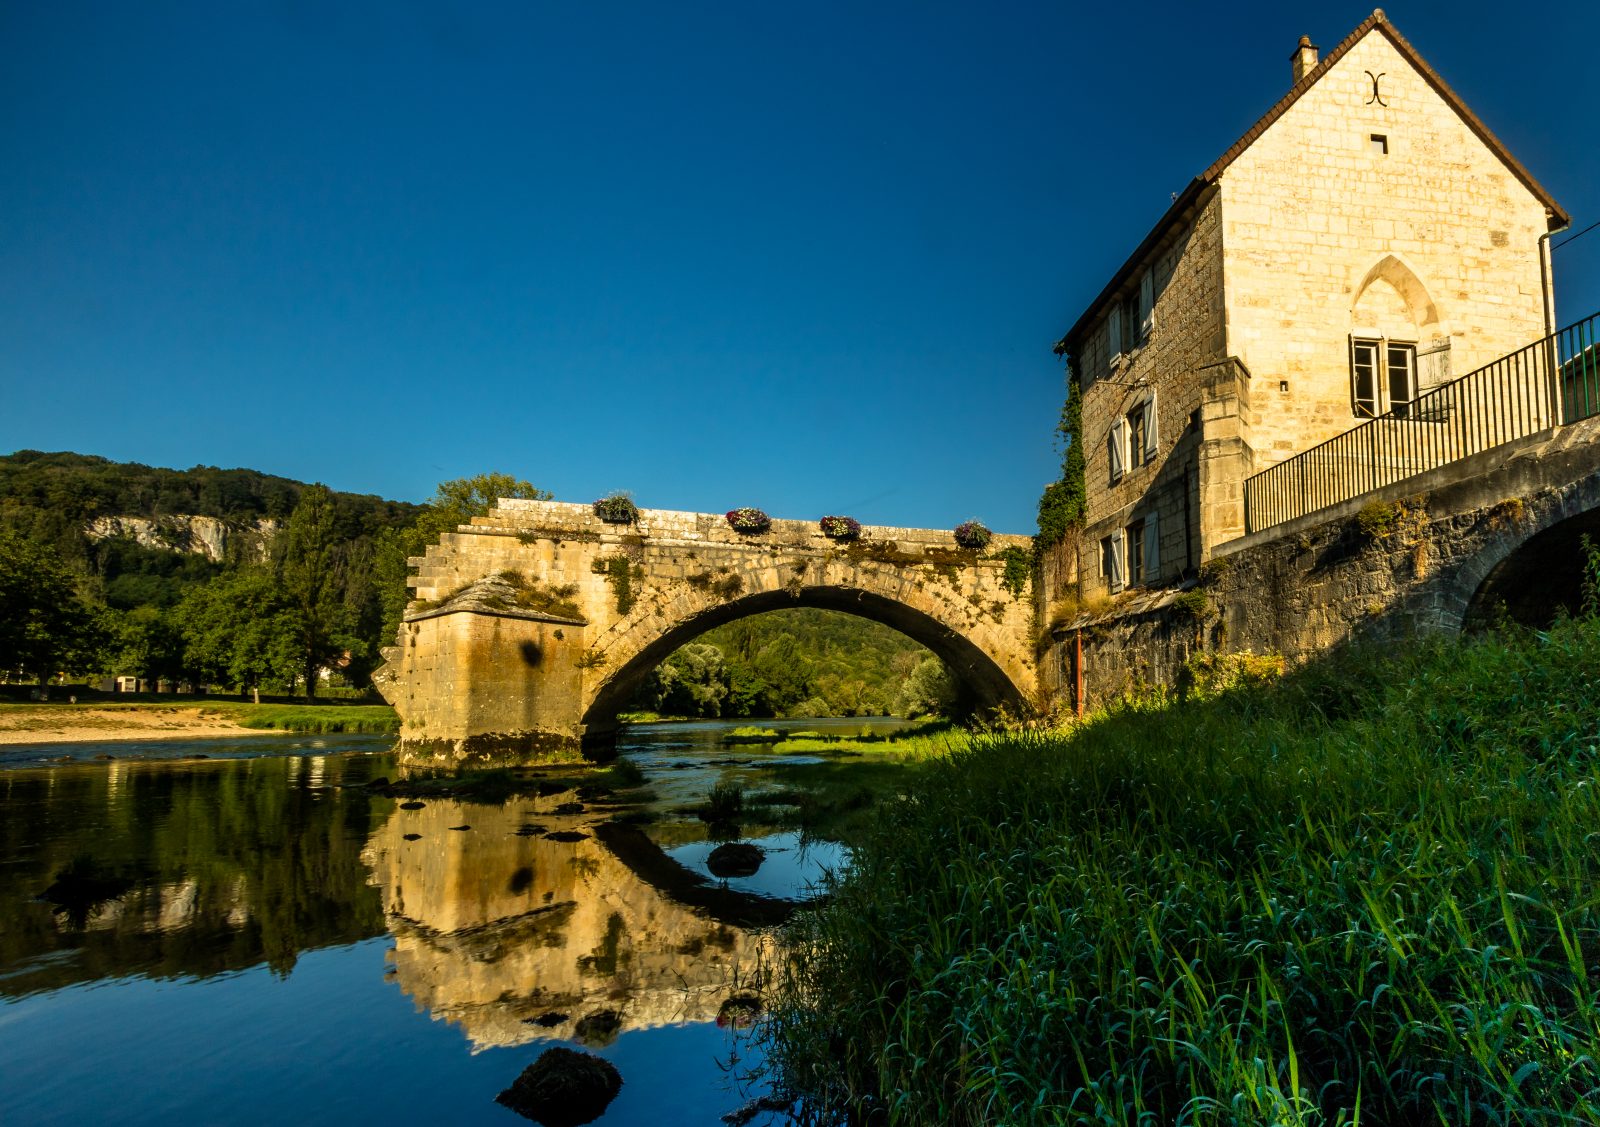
(1553, 381)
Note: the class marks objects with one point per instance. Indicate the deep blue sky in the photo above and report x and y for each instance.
(810, 257)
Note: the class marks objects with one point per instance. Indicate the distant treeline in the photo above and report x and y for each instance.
(802, 662)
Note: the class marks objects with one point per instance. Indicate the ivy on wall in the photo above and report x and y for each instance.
(1062, 505)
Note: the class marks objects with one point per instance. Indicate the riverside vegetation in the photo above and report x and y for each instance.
(1365, 893)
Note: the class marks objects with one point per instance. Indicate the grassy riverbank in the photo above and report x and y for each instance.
(1369, 893)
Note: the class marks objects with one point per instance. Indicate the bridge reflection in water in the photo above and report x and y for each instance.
(532, 925)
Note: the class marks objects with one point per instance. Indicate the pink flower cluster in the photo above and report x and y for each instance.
(840, 528)
(749, 520)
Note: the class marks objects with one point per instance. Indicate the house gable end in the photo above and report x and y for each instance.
(1184, 206)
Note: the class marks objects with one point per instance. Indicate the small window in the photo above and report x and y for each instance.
(1136, 569)
(1380, 145)
(1383, 377)
(1147, 305)
(1131, 336)
(1141, 432)
(1136, 443)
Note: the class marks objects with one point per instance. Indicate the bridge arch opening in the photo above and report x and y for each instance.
(1537, 580)
(982, 684)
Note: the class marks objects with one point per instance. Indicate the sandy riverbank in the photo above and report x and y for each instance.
(82, 723)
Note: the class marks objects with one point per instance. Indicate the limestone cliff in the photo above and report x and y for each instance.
(216, 540)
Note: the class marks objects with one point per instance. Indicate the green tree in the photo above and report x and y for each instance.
(239, 630)
(147, 641)
(692, 682)
(930, 690)
(45, 628)
(307, 575)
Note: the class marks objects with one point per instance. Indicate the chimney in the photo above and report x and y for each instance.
(1304, 59)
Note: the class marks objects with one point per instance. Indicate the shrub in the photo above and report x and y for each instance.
(1378, 520)
(973, 534)
(749, 520)
(618, 508)
(840, 528)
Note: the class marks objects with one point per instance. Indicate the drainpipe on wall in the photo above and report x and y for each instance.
(1547, 277)
(1077, 672)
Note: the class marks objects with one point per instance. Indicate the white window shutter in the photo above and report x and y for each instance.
(1116, 447)
(1152, 541)
(1147, 305)
(1114, 332)
(1433, 364)
(1119, 560)
(1151, 443)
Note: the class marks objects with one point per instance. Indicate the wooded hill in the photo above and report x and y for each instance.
(52, 498)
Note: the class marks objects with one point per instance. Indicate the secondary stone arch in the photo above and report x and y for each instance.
(636, 647)
(1531, 577)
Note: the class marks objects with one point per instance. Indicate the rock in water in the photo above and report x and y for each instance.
(563, 1088)
(735, 859)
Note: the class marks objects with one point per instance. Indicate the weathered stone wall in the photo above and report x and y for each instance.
(1186, 334)
(1316, 222)
(474, 671)
(1400, 562)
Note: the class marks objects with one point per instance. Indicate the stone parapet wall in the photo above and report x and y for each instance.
(516, 516)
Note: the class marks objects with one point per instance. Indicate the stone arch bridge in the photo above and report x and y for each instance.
(532, 626)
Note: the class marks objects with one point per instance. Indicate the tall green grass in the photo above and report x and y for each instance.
(1369, 893)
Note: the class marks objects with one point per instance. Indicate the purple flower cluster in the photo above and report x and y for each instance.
(973, 534)
(749, 520)
(616, 509)
(840, 528)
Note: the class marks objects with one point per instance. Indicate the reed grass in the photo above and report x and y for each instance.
(313, 718)
(1369, 893)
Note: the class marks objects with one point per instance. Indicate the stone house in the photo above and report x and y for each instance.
(1367, 239)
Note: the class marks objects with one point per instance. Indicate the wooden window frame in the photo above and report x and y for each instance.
(1384, 404)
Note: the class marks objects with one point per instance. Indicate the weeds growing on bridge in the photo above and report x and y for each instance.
(1368, 893)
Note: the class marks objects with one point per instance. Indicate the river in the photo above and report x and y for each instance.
(245, 931)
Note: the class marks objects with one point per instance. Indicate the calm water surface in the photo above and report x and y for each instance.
(253, 937)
